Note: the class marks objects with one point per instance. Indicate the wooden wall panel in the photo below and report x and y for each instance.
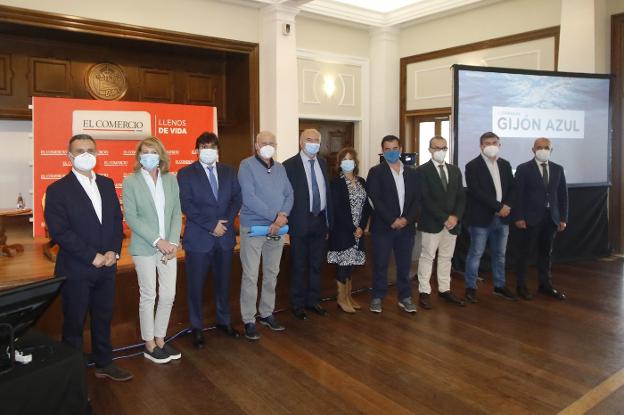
(202, 89)
(49, 54)
(156, 85)
(6, 75)
(50, 77)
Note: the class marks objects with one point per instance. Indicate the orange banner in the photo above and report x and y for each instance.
(117, 128)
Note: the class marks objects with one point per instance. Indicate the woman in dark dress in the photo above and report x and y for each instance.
(351, 211)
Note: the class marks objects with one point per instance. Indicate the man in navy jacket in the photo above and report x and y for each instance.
(84, 218)
(540, 211)
(490, 185)
(210, 197)
(308, 222)
(394, 192)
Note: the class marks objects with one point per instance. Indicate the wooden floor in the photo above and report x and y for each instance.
(495, 357)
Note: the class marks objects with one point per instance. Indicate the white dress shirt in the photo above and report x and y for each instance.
(495, 173)
(158, 196)
(399, 181)
(90, 187)
(320, 180)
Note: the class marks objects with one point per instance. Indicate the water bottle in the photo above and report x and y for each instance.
(20, 201)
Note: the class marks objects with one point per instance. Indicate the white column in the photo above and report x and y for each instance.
(384, 87)
(577, 39)
(278, 78)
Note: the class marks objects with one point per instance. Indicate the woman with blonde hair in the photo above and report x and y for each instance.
(151, 205)
(351, 211)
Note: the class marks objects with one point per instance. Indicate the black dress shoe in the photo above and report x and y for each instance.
(424, 301)
(471, 295)
(523, 292)
(450, 298)
(198, 338)
(229, 330)
(299, 313)
(552, 292)
(316, 308)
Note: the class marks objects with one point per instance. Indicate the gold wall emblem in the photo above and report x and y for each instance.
(106, 81)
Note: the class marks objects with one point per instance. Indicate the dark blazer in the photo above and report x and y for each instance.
(438, 205)
(341, 235)
(298, 219)
(74, 225)
(382, 192)
(532, 196)
(481, 203)
(203, 211)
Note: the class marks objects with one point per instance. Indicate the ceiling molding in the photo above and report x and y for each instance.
(341, 11)
(336, 11)
(425, 9)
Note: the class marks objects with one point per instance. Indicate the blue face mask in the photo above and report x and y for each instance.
(149, 161)
(392, 156)
(312, 148)
(347, 165)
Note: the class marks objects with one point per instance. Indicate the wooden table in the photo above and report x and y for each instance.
(6, 249)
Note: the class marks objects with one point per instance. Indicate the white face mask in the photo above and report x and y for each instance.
(208, 155)
(84, 162)
(439, 155)
(490, 151)
(267, 151)
(542, 155)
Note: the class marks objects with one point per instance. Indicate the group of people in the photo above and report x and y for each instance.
(325, 220)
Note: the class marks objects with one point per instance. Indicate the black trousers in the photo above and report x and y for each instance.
(95, 294)
(538, 237)
(307, 252)
(197, 266)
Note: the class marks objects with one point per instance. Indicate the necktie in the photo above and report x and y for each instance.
(443, 177)
(316, 194)
(213, 182)
(545, 174)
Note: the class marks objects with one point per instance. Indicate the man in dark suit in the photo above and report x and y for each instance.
(540, 211)
(83, 216)
(210, 197)
(444, 200)
(308, 223)
(393, 190)
(490, 185)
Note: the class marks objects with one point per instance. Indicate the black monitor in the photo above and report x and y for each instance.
(22, 306)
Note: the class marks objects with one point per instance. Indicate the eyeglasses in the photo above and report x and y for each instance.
(273, 237)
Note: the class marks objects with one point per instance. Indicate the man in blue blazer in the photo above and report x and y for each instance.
(394, 191)
(540, 211)
(84, 218)
(308, 223)
(211, 198)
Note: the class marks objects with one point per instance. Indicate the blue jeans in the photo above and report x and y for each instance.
(496, 233)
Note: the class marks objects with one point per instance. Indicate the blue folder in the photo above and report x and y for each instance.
(264, 230)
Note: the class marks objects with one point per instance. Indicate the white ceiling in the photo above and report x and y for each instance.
(375, 12)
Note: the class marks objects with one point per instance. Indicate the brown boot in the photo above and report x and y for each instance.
(349, 289)
(341, 299)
